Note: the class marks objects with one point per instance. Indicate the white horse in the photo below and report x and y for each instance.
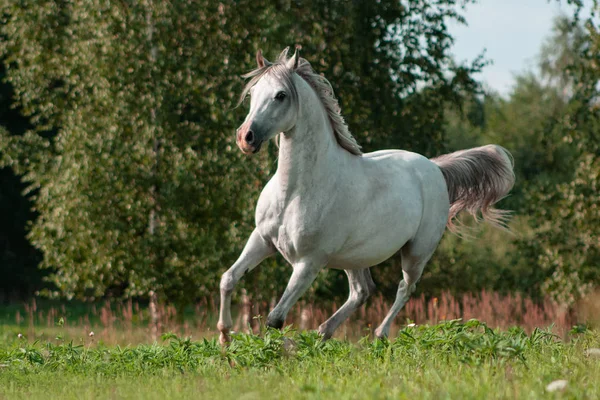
(329, 205)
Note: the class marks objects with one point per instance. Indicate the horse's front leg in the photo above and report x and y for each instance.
(256, 250)
(303, 276)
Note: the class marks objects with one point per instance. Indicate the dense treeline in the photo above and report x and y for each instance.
(123, 134)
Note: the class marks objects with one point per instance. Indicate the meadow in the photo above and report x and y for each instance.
(121, 178)
(79, 353)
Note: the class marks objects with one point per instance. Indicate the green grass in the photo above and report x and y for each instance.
(449, 360)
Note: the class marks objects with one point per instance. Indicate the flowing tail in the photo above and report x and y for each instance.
(476, 179)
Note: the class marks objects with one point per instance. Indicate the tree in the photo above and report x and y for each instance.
(566, 217)
(552, 134)
(102, 77)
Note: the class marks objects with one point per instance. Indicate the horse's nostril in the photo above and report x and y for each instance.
(249, 137)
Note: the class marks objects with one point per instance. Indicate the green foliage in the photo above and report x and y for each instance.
(550, 123)
(131, 159)
(123, 146)
(568, 248)
(565, 213)
(128, 148)
(444, 360)
(471, 343)
(489, 259)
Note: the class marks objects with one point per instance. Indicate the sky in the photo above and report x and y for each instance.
(512, 33)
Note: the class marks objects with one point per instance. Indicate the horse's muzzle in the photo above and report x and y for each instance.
(247, 140)
(247, 149)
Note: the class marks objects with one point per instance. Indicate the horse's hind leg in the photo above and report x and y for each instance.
(361, 287)
(414, 259)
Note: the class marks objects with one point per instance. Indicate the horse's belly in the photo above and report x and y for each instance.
(359, 261)
(372, 248)
(362, 258)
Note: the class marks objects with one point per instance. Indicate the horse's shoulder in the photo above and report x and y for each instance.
(267, 215)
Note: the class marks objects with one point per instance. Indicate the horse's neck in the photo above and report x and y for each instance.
(309, 156)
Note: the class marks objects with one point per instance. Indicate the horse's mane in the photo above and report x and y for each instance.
(319, 84)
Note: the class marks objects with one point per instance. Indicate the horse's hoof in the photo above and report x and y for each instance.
(224, 339)
(275, 323)
(325, 335)
(380, 334)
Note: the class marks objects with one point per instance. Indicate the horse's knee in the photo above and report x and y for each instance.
(227, 283)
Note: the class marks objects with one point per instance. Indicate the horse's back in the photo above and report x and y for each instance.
(425, 174)
(381, 154)
(402, 157)
(402, 164)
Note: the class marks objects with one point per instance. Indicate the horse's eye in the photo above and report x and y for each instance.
(280, 96)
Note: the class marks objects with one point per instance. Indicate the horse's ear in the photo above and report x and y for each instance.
(283, 54)
(260, 60)
(292, 63)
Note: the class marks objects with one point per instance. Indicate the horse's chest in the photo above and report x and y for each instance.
(293, 230)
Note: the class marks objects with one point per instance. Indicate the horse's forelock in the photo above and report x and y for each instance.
(278, 70)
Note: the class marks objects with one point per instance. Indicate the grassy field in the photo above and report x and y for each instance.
(449, 360)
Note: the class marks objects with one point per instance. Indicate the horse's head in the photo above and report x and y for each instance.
(273, 101)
